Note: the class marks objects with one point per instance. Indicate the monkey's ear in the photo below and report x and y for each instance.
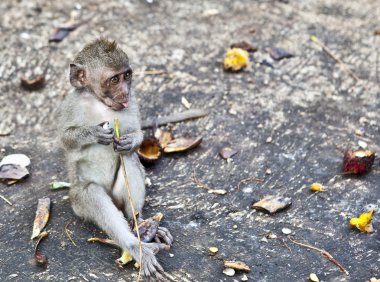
(78, 77)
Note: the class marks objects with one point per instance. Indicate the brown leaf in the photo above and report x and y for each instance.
(227, 152)
(237, 265)
(245, 46)
(33, 84)
(42, 216)
(272, 204)
(183, 143)
(149, 150)
(13, 171)
(163, 137)
(40, 259)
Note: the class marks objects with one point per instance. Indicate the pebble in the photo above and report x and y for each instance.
(286, 231)
(229, 271)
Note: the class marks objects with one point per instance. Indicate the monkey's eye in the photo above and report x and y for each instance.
(127, 75)
(114, 79)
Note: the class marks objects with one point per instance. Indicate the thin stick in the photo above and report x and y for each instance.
(130, 199)
(5, 199)
(176, 117)
(68, 233)
(199, 183)
(323, 253)
(330, 53)
(250, 179)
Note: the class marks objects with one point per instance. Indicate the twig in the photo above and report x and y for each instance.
(177, 117)
(130, 200)
(103, 241)
(5, 199)
(286, 245)
(68, 233)
(323, 253)
(339, 61)
(249, 179)
(199, 183)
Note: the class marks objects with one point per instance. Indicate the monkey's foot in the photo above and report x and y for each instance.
(124, 259)
(163, 236)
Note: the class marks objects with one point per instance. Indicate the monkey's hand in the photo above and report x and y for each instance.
(150, 266)
(128, 142)
(102, 134)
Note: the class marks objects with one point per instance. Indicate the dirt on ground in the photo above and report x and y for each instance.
(290, 121)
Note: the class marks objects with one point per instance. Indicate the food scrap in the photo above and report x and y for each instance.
(313, 277)
(272, 204)
(317, 187)
(149, 150)
(182, 143)
(42, 216)
(236, 59)
(279, 53)
(358, 162)
(213, 251)
(237, 265)
(59, 184)
(163, 137)
(363, 222)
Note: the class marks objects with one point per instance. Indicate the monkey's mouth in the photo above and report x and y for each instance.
(125, 104)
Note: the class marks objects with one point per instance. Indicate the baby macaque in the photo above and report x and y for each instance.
(101, 77)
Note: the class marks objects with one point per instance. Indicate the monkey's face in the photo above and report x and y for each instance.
(116, 87)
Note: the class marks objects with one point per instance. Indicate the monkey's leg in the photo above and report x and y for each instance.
(93, 203)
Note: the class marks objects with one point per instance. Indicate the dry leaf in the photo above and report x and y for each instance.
(183, 143)
(185, 102)
(149, 150)
(14, 172)
(40, 259)
(33, 84)
(16, 159)
(272, 204)
(42, 216)
(245, 46)
(237, 265)
(279, 53)
(148, 227)
(358, 162)
(163, 137)
(227, 152)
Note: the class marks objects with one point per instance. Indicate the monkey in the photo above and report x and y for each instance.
(101, 78)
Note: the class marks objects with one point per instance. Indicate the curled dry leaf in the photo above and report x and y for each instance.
(103, 241)
(33, 84)
(182, 143)
(40, 259)
(358, 162)
(245, 46)
(213, 251)
(13, 172)
(279, 53)
(42, 216)
(16, 159)
(237, 265)
(363, 222)
(163, 137)
(227, 152)
(59, 184)
(272, 204)
(148, 227)
(149, 150)
(236, 59)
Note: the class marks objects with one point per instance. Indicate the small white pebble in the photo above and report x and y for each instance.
(171, 255)
(268, 171)
(286, 231)
(235, 226)
(362, 144)
(244, 277)
(269, 140)
(148, 182)
(229, 271)
(65, 197)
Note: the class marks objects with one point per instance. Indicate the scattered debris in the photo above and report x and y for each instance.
(339, 61)
(42, 216)
(163, 137)
(59, 184)
(177, 117)
(148, 227)
(269, 140)
(272, 204)
(210, 190)
(103, 241)
(278, 53)
(362, 144)
(313, 277)
(229, 271)
(6, 200)
(317, 187)
(323, 253)
(244, 277)
(363, 222)
(268, 171)
(227, 152)
(376, 32)
(213, 251)
(149, 150)
(374, 279)
(249, 179)
(61, 32)
(40, 259)
(211, 12)
(16, 159)
(33, 84)
(270, 235)
(236, 59)
(13, 172)
(245, 46)
(237, 265)
(124, 259)
(185, 102)
(286, 231)
(182, 143)
(358, 162)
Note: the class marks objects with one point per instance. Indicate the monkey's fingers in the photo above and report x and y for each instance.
(164, 234)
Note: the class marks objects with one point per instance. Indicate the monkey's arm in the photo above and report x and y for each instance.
(78, 136)
(129, 142)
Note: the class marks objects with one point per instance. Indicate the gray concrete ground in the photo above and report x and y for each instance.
(308, 105)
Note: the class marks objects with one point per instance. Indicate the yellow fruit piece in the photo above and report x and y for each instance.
(363, 223)
(235, 59)
(317, 187)
(125, 258)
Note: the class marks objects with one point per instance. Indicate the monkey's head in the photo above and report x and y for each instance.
(103, 69)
